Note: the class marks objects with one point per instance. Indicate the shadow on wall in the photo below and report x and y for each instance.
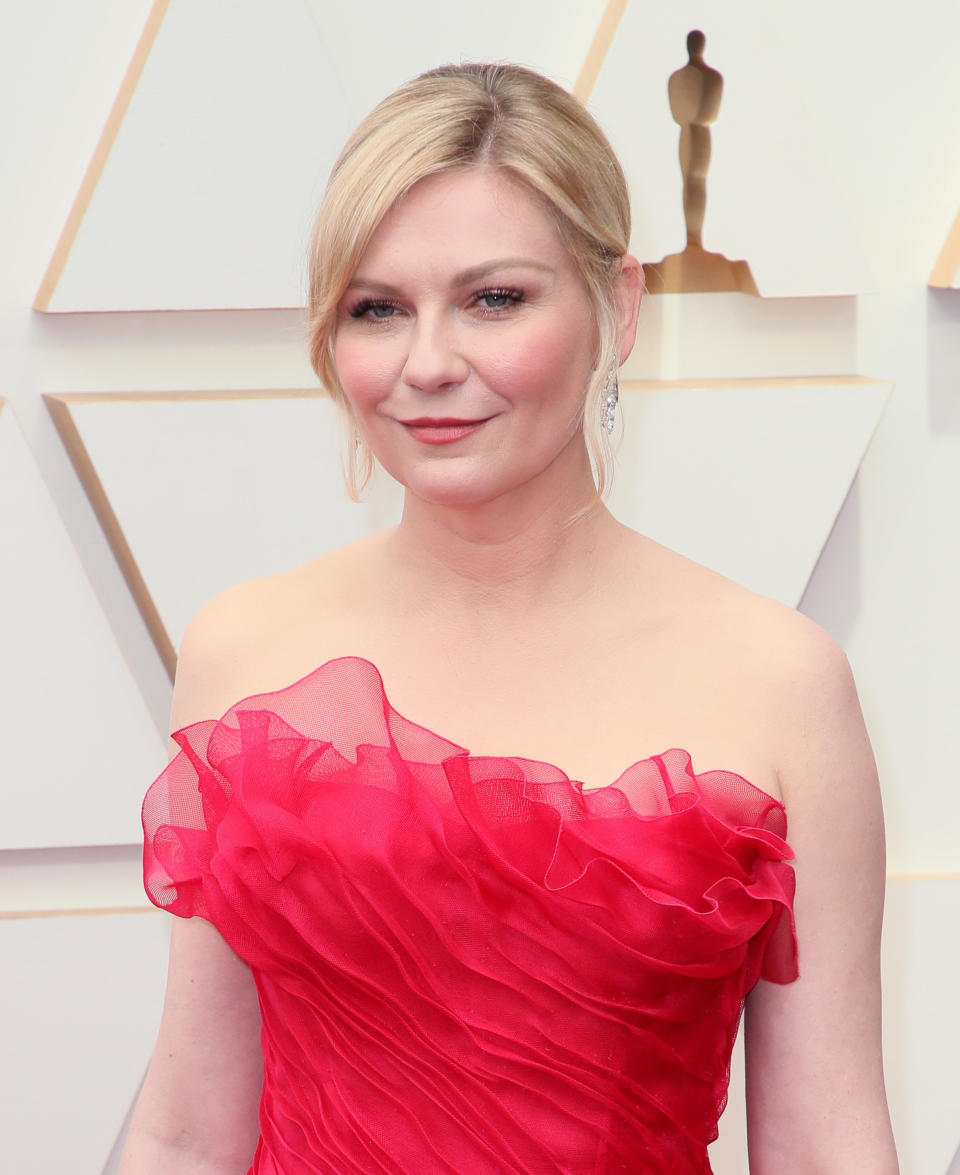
(943, 377)
(832, 594)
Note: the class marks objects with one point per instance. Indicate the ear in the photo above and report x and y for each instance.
(629, 291)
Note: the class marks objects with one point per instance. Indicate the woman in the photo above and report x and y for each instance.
(479, 962)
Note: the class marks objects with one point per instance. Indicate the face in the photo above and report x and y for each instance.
(465, 341)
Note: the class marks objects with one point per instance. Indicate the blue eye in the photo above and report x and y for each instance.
(377, 310)
(499, 299)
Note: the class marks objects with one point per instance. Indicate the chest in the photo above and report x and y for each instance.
(592, 709)
(595, 719)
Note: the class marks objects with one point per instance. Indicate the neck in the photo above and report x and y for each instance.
(499, 559)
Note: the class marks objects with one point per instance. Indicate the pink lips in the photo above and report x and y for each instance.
(440, 430)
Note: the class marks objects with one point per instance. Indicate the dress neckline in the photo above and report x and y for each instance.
(461, 751)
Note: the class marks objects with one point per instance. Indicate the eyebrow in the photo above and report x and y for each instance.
(464, 277)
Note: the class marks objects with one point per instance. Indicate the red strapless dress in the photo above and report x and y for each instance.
(467, 964)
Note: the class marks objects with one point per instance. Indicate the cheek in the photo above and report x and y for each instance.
(550, 361)
(365, 372)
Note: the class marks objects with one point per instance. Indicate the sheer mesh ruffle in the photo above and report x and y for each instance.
(465, 963)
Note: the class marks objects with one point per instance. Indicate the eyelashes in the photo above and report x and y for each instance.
(363, 308)
(504, 298)
(507, 296)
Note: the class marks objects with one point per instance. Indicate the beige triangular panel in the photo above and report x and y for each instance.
(204, 186)
(774, 212)
(746, 477)
(198, 491)
(80, 739)
(88, 992)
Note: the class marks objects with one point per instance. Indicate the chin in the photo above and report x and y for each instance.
(443, 484)
(459, 493)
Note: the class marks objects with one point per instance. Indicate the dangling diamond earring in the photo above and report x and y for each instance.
(611, 392)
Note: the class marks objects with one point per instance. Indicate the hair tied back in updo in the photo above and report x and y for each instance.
(470, 115)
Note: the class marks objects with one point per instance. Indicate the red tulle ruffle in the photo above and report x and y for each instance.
(468, 964)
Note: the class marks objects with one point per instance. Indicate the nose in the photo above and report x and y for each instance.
(434, 359)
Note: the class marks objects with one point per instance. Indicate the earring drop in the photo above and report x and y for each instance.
(611, 392)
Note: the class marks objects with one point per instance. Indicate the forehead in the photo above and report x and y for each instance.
(467, 215)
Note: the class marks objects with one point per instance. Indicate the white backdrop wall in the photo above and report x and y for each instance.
(871, 105)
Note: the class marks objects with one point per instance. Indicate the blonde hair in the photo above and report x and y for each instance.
(462, 116)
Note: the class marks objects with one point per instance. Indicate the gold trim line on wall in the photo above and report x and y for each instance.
(101, 154)
(59, 405)
(600, 47)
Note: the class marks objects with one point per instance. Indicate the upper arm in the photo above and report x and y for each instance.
(202, 1089)
(815, 1091)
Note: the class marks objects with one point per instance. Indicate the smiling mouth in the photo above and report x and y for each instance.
(441, 422)
(441, 430)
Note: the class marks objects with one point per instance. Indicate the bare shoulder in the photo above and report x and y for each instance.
(783, 649)
(795, 677)
(800, 658)
(774, 664)
(213, 647)
(810, 698)
(814, 706)
(818, 742)
(244, 639)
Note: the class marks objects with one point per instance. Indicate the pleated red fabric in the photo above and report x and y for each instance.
(469, 964)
